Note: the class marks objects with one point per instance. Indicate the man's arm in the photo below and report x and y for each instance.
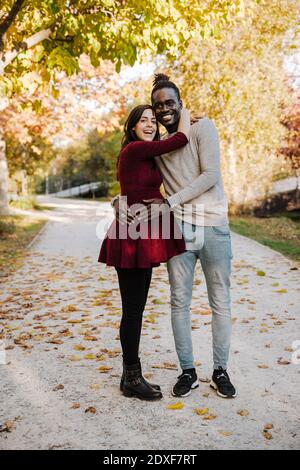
(121, 209)
(209, 155)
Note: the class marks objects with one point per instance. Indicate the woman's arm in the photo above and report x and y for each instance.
(185, 122)
(144, 150)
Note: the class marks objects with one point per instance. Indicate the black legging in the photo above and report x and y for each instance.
(134, 286)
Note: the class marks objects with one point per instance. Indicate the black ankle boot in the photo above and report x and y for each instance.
(155, 386)
(135, 385)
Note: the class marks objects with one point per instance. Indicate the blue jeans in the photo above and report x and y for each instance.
(212, 247)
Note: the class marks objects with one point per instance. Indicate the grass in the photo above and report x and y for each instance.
(16, 232)
(281, 232)
(28, 203)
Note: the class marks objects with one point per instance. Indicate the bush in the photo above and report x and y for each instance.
(114, 189)
(6, 228)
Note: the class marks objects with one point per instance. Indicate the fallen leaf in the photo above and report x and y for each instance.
(148, 375)
(58, 387)
(176, 406)
(90, 409)
(74, 358)
(225, 433)
(90, 338)
(165, 365)
(204, 380)
(71, 308)
(209, 417)
(75, 406)
(283, 362)
(94, 386)
(90, 356)
(7, 426)
(104, 369)
(267, 435)
(260, 273)
(55, 341)
(269, 426)
(201, 411)
(243, 412)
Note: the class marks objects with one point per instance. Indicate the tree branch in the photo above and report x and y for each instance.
(27, 44)
(9, 19)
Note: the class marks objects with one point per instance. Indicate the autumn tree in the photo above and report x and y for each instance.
(39, 39)
(237, 79)
(291, 148)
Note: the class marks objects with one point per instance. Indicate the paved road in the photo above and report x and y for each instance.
(61, 312)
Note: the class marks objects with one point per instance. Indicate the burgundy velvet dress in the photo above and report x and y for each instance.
(140, 179)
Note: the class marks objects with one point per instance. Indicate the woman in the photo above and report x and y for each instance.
(134, 258)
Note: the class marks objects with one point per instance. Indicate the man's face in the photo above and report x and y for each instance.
(167, 107)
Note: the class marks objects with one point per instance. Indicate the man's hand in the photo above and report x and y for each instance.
(122, 211)
(152, 209)
(195, 119)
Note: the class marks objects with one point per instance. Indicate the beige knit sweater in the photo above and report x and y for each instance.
(192, 177)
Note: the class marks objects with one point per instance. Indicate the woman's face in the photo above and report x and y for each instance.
(146, 127)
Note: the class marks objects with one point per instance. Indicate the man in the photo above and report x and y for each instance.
(194, 189)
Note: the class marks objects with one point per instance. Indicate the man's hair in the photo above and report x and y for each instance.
(163, 81)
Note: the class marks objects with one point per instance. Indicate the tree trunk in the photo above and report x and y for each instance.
(24, 183)
(235, 198)
(4, 207)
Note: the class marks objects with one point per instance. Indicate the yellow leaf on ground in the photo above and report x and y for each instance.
(79, 347)
(71, 308)
(90, 338)
(166, 365)
(225, 433)
(209, 417)
(176, 406)
(74, 358)
(201, 411)
(75, 406)
(94, 386)
(243, 412)
(104, 369)
(90, 356)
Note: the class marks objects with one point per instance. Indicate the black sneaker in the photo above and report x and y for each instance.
(186, 382)
(221, 383)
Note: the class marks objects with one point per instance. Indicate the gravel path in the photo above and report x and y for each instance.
(59, 385)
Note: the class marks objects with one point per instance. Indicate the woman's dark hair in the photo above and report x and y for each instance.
(129, 134)
(163, 81)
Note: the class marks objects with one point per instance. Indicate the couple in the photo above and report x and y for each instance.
(187, 162)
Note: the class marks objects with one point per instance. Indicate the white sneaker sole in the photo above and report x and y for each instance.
(214, 386)
(193, 386)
